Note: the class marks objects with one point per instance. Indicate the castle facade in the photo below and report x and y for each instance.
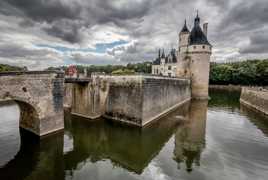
(190, 60)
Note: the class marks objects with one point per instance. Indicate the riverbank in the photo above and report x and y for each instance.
(256, 98)
(225, 87)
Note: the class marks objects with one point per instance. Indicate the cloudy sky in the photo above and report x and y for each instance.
(42, 33)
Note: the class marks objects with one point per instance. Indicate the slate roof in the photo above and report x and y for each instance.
(185, 28)
(197, 36)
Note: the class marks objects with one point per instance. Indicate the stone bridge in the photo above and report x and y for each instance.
(39, 95)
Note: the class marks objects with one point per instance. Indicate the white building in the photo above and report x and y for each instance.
(165, 65)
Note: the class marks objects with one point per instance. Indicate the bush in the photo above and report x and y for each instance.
(250, 72)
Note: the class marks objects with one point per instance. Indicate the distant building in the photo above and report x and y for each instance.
(165, 65)
(71, 71)
(191, 60)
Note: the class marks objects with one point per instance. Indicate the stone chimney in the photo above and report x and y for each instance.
(205, 28)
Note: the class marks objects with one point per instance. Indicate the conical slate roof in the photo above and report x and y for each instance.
(197, 36)
(185, 28)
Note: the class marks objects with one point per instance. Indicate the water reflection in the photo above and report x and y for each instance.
(190, 136)
(218, 139)
(36, 159)
(128, 147)
(258, 119)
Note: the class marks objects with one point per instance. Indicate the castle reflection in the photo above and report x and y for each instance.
(85, 143)
(129, 147)
(190, 136)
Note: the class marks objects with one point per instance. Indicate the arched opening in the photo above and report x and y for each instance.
(9, 131)
(18, 122)
(29, 119)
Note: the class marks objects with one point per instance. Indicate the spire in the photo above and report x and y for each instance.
(185, 28)
(197, 19)
(197, 36)
(163, 54)
(159, 53)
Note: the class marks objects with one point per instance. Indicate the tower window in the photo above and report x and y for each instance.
(194, 47)
(203, 47)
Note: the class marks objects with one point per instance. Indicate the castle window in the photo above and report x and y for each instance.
(194, 47)
(203, 47)
(169, 67)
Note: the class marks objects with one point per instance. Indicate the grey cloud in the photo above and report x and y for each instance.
(258, 44)
(151, 24)
(43, 10)
(89, 13)
(246, 16)
(66, 29)
(15, 51)
(15, 54)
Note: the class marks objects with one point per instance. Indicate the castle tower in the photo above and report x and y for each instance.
(183, 63)
(199, 50)
(183, 39)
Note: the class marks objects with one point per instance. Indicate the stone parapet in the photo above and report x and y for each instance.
(140, 99)
(256, 98)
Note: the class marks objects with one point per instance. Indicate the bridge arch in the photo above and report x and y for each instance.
(39, 95)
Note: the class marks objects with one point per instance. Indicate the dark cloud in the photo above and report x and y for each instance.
(66, 29)
(43, 10)
(246, 16)
(258, 44)
(89, 13)
(236, 27)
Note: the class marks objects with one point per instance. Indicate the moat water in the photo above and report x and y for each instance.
(218, 139)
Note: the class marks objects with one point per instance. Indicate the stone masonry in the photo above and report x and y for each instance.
(39, 95)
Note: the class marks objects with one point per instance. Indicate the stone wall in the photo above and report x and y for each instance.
(68, 90)
(256, 98)
(89, 99)
(141, 99)
(39, 96)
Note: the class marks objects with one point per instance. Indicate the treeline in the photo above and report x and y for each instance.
(5, 67)
(144, 67)
(250, 72)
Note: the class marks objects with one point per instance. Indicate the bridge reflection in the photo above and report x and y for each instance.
(36, 159)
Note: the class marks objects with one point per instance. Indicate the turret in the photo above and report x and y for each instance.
(183, 39)
(183, 61)
(200, 51)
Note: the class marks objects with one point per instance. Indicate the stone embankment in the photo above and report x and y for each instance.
(256, 98)
(225, 87)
